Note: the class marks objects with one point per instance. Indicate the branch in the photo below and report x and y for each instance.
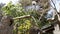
(21, 17)
(43, 12)
(57, 13)
(54, 6)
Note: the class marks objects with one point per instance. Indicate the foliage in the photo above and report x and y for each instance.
(24, 24)
(25, 2)
(17, 11)
(13, 10)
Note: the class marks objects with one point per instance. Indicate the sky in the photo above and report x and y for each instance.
(7, 1)
(15, 1)
(57, 2)
(50, 12)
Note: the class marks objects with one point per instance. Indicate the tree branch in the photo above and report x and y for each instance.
(21, 17)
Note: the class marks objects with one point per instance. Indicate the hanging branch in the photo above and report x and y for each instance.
(54, 6)
(57, 13)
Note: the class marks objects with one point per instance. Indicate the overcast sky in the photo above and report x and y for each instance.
(15, 1)
(7, 1)
(50, 12)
